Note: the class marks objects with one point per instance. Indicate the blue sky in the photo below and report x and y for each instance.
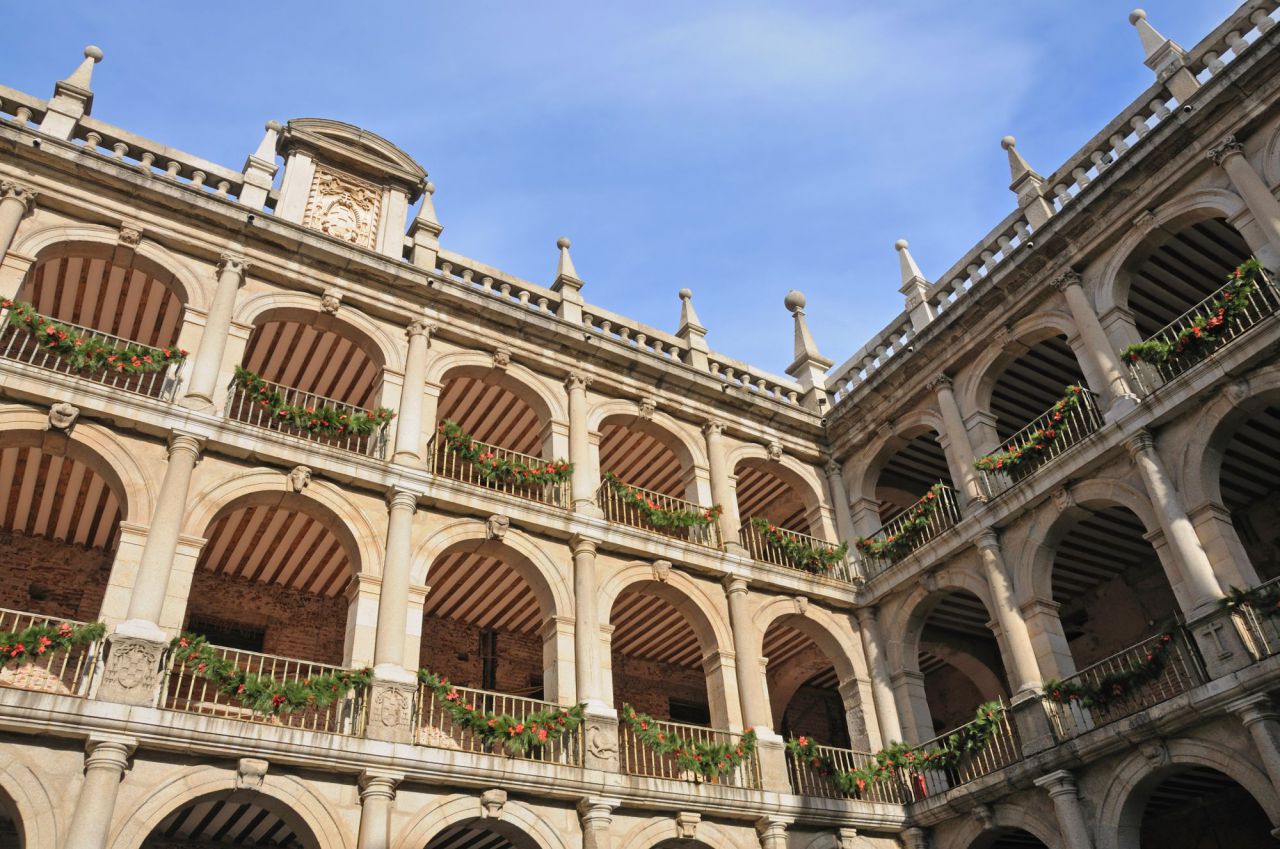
(737, 148)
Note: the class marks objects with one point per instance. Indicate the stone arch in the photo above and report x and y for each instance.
(706, 615)
(32, 805)
(974, 389)
(543, 398)
(909, 615)
(802, 478)
(684, 443)
(881, 451)
(286, 796)
(1111, 286)
(657, 830)
(1119, 812)
(63, 240)
(350, 323)
(1036, 821)
(448, 811)
(1199, 465)
(95, 446)
(270, 486)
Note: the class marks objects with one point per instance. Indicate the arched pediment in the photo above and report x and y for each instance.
(347, 146)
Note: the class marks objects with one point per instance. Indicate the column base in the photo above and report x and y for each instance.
(1121, 406)
(1029, 717)
(601, 730)
(391, 698)
(131, 675)
(408, 458)
(588, 508)
(771, 750)
(737, 548)
(198, 403)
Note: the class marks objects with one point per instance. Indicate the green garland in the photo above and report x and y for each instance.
(260, 693)
(534, 730)
(818, 559)
(1114, 686)
(89, 353)
(657, 516)
(914, 526)
(1035, 444)
(322, 420)
(1265, 599)
(500, 469)
(30, 644)
(707, 760)
(899, 759)
(1205, 330)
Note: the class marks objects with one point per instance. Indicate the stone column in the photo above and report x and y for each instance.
(596, 814)
(722, 491)
(1203, 591)
(840, 502)
(1229, 155)
(104, 767)
(394, 687)
(1105, 361)
(773, 832)
(409, 428)
(586, 628)
(377, 797)
(1259, 715)
(1026, 672)
(217, 327)
(583, 484)
(1061, 786)
(755, 709)
(16, 201)
(881, 686)
(958, 436)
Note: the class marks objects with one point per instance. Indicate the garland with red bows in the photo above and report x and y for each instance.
(706, 759)
(30, 644)
(533, 730)
(816, 558)
(912, 527)
(319, 419)
(497, 469)
(262, 693)
(89, 353)
(655, 514)
(1036, 443)
(1118, 685)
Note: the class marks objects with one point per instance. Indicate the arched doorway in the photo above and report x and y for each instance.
(657, 660)
(1193, 807)
(1249, 481)
(231, 819)
(482, 834)
(11, 836)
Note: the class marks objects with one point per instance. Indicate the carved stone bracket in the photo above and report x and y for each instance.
(62, 416)
(648, 406)
(250, 773)
(774, 449)
(661, 571)
(501, 359)
(687, 825)
(299, 479)
(496, 527)
(492, 803)
(330, 301)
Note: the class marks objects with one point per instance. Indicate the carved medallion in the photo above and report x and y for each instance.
(344, 207)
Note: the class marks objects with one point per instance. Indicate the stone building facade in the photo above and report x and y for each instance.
(691, 564)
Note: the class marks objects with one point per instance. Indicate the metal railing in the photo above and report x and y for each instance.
(185, 689)
(1259, 627)
(435, 726)
(944, 516)
(810, 780)
(639, 759)
(1182, 671)
(20, 346)
(69, 672)
(1071, 427)
(1264, 301)
(617, 509)
(449, 464)
(761, 548)
(1002, 749)
(244, 406)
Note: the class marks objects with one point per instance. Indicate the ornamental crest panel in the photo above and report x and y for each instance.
(344, 207)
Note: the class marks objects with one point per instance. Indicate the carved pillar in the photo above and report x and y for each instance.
(958, 436)
(409, 429)
(586, 629)
(840, 501)
(16, 201)
(1105, 361)
(217, 328)
(377, 796)
(583, 483)
(1026, 672)
(722, 491)
(1061, 786)
(104, 767)
(391, 695)
(881, 686)
(596, 814)
(1259, 715)
(1229, 155)
(773, 832)
(755, 708)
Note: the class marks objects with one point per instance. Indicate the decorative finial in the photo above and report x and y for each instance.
(1151, 39)
(907, 264)
(691, 328)
(914, 286)
(1165, 57)
(565, 267)
(1018, 167)
(1137, 15)
(809, 366)
(794, 302)
(685, 294)
(82, 77)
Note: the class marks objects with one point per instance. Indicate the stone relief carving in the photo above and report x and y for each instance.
(131, 669)
(985, 817)
(774, 449)
(496, 527)
(602, 746)
(492, 802)
(802, 605)
(344, 207)
(501, 358)
(299, 479)
(330, 301)
(648, 406)
(391, 707)
(62, 416)
(661, 570)
(1062, 498)
(129, 236)
(687, 825)
(250, 773)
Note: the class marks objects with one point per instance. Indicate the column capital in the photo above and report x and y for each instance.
(377, 783)
(577, 381)
(941, 382)
(773, 828)
(715, 427)
(401, 499)
(832, 467)
(1060, 782)
(17, 191)
(735, 584)
(1140, 443)
(188, 443)
(915, 838)
(987, 540)
(1254, 709)
(581, 544)
(597, 809)
(1225, 149)
(232, 263)
(421, 327)
(866, 616)
(104, 751)
(1066, 280)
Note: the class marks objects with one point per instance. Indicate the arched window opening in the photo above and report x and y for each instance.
(960, 660)
(1183, 270)
(657, 660)
(1110, 585)
(908, 474)
(10, 824)
(1033, 383)
(804, 688)
(763, 494)
(1007, 838)
(491, 413)
(1199, 808)
(482, 834)
(226, 820)
(1250, 484)
(641, 458)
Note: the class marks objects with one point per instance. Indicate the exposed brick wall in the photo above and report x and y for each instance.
(648, 686)
(817, 712)
(452, 649)
(952, 696)
(52, 578)
(1118, 613)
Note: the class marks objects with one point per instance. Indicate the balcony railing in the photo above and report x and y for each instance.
(1002, 749)
(639, 759)
(1071, 426)
(808, 780)
(450, 464)
(244, 406)
(1264, 301)
(762, 549)
(69, 672)
(1182, 671)
(618, 509)
(20, 346)
(435, 727)
(185, 689)
(1259, 624)
(944, 515)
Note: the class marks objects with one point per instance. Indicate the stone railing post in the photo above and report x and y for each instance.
(104, 766)
(394, 687)
(881, 686)
(958, 436)
(722, 491)
(1259, 715)
(1106, 362)
(16, 201)
(1061, 787)
(217, 328)
(583, 484)
(409, 428)
(1026, 672)
(377, 797)
(1229, 156)
(596, 815)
